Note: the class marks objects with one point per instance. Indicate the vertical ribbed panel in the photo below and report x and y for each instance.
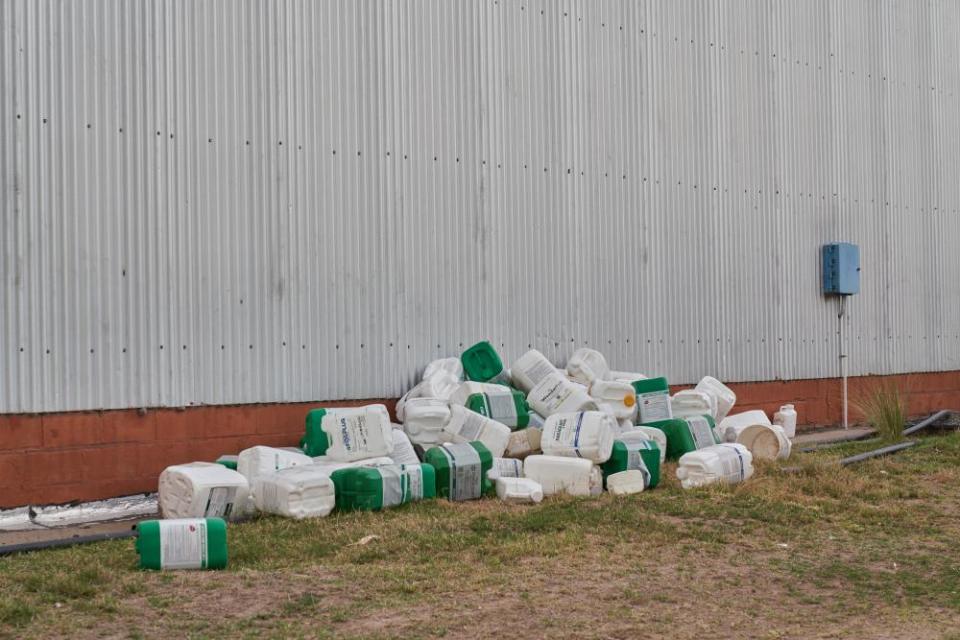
(227, 202)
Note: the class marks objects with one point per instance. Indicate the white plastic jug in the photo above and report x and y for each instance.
(765, 442)
(625, 376)
(787, 418)
(585, 434)
(446, 366)
(403, 452)
(467, 389)
(693, 403)
(519, 490)
(616, 398)
(555, 394)
(728, 463)
(523, 443)
(259, 461)
(505, 468)
(424, 419)
(328, 466)
(639, 434)
(555, 474)
(730, 428)
(295, 492)
(467, 426)
(202, 490)
(726, 398)
(587, 365)
(529, 369)
(355, 433)
(624, 483)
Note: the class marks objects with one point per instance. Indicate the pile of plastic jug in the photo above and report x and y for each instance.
(471, 428)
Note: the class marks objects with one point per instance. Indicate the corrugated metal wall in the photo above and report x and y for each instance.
(226, 202)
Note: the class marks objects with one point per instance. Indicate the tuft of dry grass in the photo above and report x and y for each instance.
(884, 407)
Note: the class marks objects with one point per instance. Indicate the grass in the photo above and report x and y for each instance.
(863, 551)
(884, 408)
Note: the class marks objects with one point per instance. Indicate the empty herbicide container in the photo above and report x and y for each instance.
(557, 474)
(641, 433)
(765, 442)
(508, 407)
(641, 455)
(787, 418)
(295, 492)
(653, 400)
(617, 398)
(625, 376)
(468, 426)
(192, 543)
(523, 443)
(529, 369)
(519, 490)
(726, 398)
(461, 470)
(403, 451)
(585, 434)
(482, 364)
(424, 419)
(556, 394)
(729, 430)
(505, 468)
(376, 488)
(693, 403)
(202, 490)
(463, 392)
(257, 461)
(587, 365)
(623, 483)
(347, 434)
(687, 434)
(727, 463)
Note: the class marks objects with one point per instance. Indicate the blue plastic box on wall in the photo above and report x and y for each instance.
(841, 268)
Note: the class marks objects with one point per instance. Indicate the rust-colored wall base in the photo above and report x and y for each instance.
(57, 458)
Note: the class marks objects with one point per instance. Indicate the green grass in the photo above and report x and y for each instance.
(860, 551)
(884, 407)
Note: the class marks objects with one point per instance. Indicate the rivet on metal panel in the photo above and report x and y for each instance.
(158, 133)
(161, 347)
(222, 347)
(338, 347)
(279, 143)
(251, 346)
(283, 344)
(247, 143)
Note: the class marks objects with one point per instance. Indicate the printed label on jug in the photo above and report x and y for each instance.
(473, 423)
(635, 460)
(465, 471)
(220, 502)
(183, 544)
(538, 371)
(502, 407)
(566, 431)
(353, 432)
(508, 467)
(732, 464)
(654, 406)
(700, 431)
(554, 395)
(391, 484)
(413, 480)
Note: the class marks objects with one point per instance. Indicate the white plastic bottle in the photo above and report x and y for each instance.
(505, 468)
(787, 418)
(424, 419)
(585, 434)
(691, 402)
(574, 476)
(765, 442)
(258, 461)
(556, 394)
(295, 492)
(626, 482)
(619, 399)
(528, 370)
(467, 389)
(328, 466)
(641, 433)
(355, 433)
(519, 490)
(730, 428)
(727, 463)
(403, 452)
(625, 376)
(725, 396)
(202, 490)
(523, 443)
(467, 426)
(587, 365)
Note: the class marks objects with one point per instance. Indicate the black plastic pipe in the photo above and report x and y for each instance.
(26, 547)
(923, 424)
(876, 453)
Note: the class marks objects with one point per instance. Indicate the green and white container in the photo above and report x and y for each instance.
(653, 400)
(508, 407)
(687, 434)
(642, 455)
(192, 543)
(229, 461)
(461, 470)
(468, 426)
(376, 488)
(482, 363)
(348, 434)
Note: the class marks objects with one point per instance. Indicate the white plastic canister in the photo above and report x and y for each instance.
(626, 482)
(357, 433)
(467, 389)
(328, 466)
(625, 376)
(467, 426)
(574, 476)
(587, 365)
(259, 461)
(787, 418)
(424, 420)
(519, 490)
(730, 428)
(505, 468)
(202, 490)
(523, 443)
(693, 403)
(726, 398)
(765, 442)
(727, 463)
(585, 434)
(403, 451)
(641, 433)
(295, 492)
(529, 369)
(556, 394)
(619, 399)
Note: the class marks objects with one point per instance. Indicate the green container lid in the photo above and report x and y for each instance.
(315, 441)
(192, 543)
(229, 461)
(687, 434)
(634, 455)
(650, 385)
(376, 488)
(481, 363)
(461, 470)
(510, 409)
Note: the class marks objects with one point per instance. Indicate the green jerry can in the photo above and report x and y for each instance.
(481, 363)
(653, 400)
(461, 470)
(190, 543)
(376, 488)
(686, 434)
(507, 407)
(643, 456)
(229, 461)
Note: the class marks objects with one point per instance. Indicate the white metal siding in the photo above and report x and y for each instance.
(245, 201)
